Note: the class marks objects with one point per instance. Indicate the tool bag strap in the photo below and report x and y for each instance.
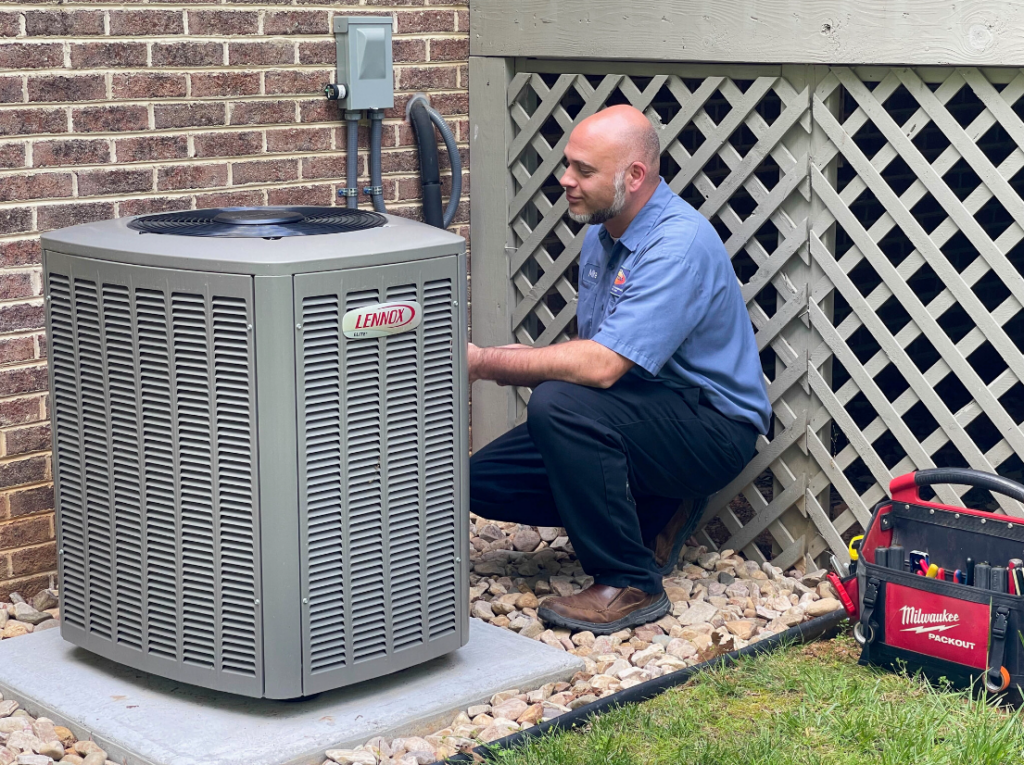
(996, 678)
(867, 628)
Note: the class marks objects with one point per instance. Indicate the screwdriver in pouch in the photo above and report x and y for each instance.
(982, 576)
(896, 557)
(998, 579)
(882, 557)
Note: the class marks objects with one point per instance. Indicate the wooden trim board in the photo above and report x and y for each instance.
(922, 32)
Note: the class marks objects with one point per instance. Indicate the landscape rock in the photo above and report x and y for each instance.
(582, 701)
(351, 757)
(526, 539)
(85, 748)
(33, 759)
(696, 613)
(549, 533)
(8, 708)
(533, 715)
(822, 607)
(741, 628)
(45, 599)
(23, 612)
(65, 736)
(680, 648)
(24, 742)
(510, 709)
(497, 729)
(15, 628)
(482, 610)
(52, 749)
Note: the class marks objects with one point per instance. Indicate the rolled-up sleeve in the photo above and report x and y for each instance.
(663, 299)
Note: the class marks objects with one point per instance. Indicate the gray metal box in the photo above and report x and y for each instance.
(364, 62)
(247, 499)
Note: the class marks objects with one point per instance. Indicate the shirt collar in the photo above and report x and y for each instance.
(644, 221)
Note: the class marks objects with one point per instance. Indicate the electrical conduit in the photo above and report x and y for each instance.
(351, 159)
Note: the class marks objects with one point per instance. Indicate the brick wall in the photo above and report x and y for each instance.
(124, 108)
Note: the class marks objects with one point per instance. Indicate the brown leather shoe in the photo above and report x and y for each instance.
(603, 610)
(669, 542)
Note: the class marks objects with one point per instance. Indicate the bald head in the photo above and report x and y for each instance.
(612, 167)
(626, 133)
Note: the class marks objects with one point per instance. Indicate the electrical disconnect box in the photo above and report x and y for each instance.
(364, 62)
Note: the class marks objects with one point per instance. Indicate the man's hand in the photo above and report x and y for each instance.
(578, 361)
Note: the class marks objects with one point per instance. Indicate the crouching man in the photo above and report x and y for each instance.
(657, 404)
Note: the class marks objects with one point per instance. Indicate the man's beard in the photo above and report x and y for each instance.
(606, 214)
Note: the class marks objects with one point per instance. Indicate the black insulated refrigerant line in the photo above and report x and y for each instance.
(802, 633)
(424, 119)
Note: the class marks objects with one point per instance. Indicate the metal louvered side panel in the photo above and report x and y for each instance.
(198, 543)
(363, 444)
(95, 453)
(159, 474)
(68, 457)
(127, 488)
(379, 483)
(439, 448)
(325, 519)
(236, 486)
(402, 473)
(154, 417)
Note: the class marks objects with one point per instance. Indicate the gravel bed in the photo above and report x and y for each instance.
(720, 603)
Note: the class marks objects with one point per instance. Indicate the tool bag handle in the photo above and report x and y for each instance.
(904, 488)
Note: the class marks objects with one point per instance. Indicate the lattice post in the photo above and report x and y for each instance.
(491, 294)
(808, 520)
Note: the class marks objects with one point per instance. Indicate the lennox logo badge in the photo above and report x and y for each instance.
(381, 319)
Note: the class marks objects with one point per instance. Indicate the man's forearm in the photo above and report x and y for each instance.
(580, 361)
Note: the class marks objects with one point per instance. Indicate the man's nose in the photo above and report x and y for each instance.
(567, 180)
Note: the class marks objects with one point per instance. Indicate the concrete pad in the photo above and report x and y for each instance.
(142, 719)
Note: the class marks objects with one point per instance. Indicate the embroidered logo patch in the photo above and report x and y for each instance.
(620, 281)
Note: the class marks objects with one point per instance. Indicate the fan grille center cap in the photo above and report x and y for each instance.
(257, 217)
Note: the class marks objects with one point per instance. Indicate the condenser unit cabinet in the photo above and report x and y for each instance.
(260, 440)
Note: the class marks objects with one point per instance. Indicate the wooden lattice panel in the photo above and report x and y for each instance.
(735, 146)
(925, 273)
(875, 220)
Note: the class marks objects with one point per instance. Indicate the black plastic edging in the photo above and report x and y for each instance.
(802, 633)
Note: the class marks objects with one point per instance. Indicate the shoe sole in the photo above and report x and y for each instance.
(644, 615)
(684, 533)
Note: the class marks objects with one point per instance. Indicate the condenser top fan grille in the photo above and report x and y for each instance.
(259, 222)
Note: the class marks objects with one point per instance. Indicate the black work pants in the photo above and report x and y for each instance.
(611, 466)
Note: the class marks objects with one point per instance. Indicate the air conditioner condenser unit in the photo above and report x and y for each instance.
(260, 444)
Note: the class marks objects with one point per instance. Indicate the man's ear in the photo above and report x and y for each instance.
(636, 176)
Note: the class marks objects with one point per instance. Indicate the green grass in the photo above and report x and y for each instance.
(804, 705)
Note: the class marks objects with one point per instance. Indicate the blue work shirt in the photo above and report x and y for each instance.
(666, 297)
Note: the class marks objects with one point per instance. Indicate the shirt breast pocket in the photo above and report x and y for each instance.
(588, 277)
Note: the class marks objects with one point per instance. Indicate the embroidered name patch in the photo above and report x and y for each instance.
(620, 281)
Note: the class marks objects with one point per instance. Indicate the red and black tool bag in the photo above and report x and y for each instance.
(966, 635)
